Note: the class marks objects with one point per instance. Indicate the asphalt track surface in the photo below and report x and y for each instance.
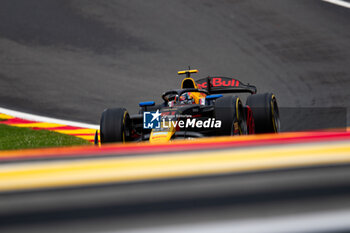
(72, 59)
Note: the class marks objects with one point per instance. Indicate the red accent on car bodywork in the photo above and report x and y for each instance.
(220, 82)
(250, 121)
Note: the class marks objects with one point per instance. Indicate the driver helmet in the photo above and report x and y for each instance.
(186, 98)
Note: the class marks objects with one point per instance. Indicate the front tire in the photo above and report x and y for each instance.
(115, 125)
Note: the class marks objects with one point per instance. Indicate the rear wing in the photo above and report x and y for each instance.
(224, 85)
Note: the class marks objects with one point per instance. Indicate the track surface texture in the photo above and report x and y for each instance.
(71, 59)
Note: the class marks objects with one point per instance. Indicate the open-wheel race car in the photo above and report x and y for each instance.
(203, 108)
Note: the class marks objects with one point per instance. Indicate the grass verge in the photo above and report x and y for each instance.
(12, 138)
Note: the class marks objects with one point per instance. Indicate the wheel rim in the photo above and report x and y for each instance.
(239, 126)
(126, 127)
(275, 114)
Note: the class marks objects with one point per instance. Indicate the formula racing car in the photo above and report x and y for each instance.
(203, 108)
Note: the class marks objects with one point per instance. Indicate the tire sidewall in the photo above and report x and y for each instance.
(114, 125)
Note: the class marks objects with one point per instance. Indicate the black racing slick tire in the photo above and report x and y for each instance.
(115, 125)
(265, 112)
(229, 110)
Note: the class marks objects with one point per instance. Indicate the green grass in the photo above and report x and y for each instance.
(23, 138)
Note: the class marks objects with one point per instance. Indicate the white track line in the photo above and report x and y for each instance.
(31, 117)
(339, 3)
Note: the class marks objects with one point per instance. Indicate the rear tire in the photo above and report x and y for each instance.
(229, 110)
(265, 112)
(115, 125)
